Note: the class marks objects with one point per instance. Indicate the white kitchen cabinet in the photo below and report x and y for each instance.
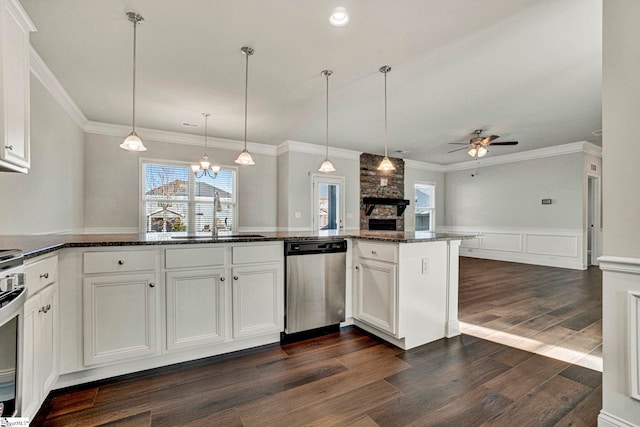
(15, 26)
(195, 308)
(377, 294)
(120, 317)
(258, 300)
(40, 348)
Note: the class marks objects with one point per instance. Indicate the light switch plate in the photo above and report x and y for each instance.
(425, 265)
(297, 215)
(384, 182)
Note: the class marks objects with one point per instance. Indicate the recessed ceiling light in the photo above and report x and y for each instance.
(339, 17)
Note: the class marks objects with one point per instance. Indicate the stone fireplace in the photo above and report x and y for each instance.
(381, 195)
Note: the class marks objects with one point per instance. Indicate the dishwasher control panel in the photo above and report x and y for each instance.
(308, 247)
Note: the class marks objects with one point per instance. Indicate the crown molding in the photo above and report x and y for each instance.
(304, 147)
(40, 71)
(426, 166)
(18, 11)
(556, 150)
(108, 129)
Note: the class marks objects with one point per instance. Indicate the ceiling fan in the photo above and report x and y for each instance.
(478, 145)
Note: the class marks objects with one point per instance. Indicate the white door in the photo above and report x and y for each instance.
(328, 202)
(258, 303)
(377, 294)
(119, 317)
(195, 308)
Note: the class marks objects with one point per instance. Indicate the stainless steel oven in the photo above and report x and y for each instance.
(13, 294)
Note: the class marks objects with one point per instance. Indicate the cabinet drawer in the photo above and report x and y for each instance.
(253, 254)
(116, 262)
(193, 257)
(40, 274)
(378, 251)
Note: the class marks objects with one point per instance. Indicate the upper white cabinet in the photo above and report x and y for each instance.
(15, 27)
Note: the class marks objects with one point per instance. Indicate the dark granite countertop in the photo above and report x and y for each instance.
(36, 245)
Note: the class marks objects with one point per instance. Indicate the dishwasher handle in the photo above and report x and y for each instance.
(310, 247)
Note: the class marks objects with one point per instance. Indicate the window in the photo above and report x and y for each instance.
(425, 202)
(174, 200)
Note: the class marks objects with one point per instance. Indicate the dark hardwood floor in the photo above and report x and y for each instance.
(354, 379)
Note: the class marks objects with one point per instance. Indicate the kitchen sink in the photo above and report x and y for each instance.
(222, 236)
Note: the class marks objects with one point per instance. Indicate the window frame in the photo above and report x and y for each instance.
(432, 209)
(191, 200)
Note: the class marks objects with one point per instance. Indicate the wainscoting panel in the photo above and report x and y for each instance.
(551, 247)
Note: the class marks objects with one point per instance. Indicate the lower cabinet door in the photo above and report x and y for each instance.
(376, 295)
(30, 393)
(120, 320)
(47, 344)
(195, 308)
(258, 300)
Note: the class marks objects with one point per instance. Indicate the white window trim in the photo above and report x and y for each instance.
(432, 217)
(142, 220)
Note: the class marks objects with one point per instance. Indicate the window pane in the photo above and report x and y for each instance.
(204, 217)
(328, 204)
(423, 222)
(165, 217)
(222, 183)
(166, 182)
(424, 197)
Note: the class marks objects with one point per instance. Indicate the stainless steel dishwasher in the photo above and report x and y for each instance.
(315, 283)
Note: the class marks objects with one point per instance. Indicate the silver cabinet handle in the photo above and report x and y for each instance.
(374, 253)
(48, 307)
(120, 262)
(222, 279)
(235, 277)
(357, 267)
(45, 309)
(44, 276)
(9, 147)
(152, 285)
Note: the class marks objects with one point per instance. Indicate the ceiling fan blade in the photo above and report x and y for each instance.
(459, 143)
(492, 137)
(505, 143)
(459, 149)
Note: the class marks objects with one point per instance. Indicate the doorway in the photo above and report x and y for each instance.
(328, 202)
(593, 219)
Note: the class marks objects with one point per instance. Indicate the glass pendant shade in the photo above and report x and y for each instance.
(472, 152)
(482, 151)
(133, 143)
(386, 165)
(327, 166)
(244, 158)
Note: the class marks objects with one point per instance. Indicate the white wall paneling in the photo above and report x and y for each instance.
(634, 340)
(555, 248)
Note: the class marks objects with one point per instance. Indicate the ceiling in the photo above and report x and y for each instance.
(528, 70)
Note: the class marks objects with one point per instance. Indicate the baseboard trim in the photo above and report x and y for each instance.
(607, 420)
(523, 259)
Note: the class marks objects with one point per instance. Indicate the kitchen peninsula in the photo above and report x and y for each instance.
(130, 302)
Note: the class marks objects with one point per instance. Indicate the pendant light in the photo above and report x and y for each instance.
(133, 142)
(385, 164)
(205, 168)
(244, 158)
(327, 166)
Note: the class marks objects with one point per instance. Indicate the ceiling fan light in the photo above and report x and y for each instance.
(482, 151)
(472, 152)
(386, 165)
(326, 166)
(133, 143)
(244, 158)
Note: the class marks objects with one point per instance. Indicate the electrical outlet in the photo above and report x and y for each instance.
(297, 215)
(384, 182)
(425, 265)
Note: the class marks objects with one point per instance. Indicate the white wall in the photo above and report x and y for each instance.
(295, 169)
(111, 191)
(49, 198)
(504, 203)
(621, 214)
(413, 175)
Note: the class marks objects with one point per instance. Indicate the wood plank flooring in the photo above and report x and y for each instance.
(351, 378)
(553, 312)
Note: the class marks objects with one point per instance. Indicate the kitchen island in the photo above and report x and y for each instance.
(118, 304)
